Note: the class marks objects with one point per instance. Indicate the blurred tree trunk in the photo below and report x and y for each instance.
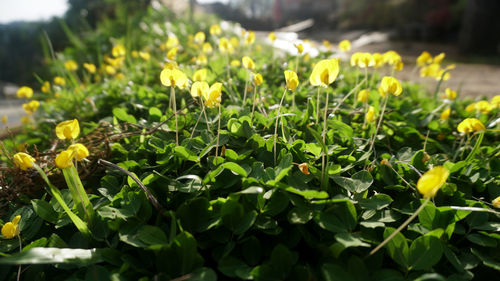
(480, 32)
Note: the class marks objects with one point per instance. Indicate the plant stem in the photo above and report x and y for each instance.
(317, 106)
(379, 122)
(218, 134)
(172, 96)
(20, 250)
(276, 126)
(245, 90)
(254, 99)
(325, 119)
(400, 227)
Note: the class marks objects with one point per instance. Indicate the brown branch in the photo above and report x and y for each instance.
(150, 196)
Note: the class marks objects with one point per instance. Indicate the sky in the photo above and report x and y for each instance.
(31, 10)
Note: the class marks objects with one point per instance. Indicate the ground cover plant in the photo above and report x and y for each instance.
(189, 150)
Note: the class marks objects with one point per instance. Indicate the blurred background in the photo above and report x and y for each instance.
(467, 30)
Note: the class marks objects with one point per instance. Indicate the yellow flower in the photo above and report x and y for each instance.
(25, 92)
(324, 72)
(248, 63)
(80, 151)
(430, 182)
(31, 107)
(46, 87)
(134, 54)
(292, 81)
(495, 101)
(390, 85)
(25, 120)
(172, 42)
(118, 51)
(398, 66)
(11, 229)
(304, 168)
(272, 36)
(445, 115)
(355, 58)
(215, 29)
(207, 48)
(199, 37)
(370, 114)
(172, 53)
(257, 79)
(392, 58)
(23, 161)
(345, 46)
(471, 107)
(496, 202)
(90, 67)
(483, 106)
(234, 42)
(235, 63)
(65, 159)
(145, 56)
(4, 119)
(379, 59)
(173, 77)
(250, 38)
(439, 58)
(424, 59)
(450, 94)
(71, 65)
(200, 75)
(299, 48)
(110, 70)
(469, 125)
(69, 129)
(225, 46)
(363, 95)
(199, 89)
(213, 95)
(201, 60)
(58, 80)
(365, 60)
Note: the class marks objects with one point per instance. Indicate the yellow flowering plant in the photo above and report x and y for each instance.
(174, 78)
(69, 129)
(11, 229)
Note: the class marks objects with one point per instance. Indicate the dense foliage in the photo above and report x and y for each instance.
(227, 202)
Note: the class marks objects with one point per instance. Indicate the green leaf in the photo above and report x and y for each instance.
(425, 252)
(233, 267)
(340, 217)
(80, 257)
(186, 154)
(308, 194)
(300, 215)
(121, 114)
(350, 240)
(482, 240)
(376, 202)
(358, 183)
(486, 259)
(397, 247)
(152, 235)
(44, 210)
(335, 272)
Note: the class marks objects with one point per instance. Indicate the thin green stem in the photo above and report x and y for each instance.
(254, 99)
(245, 90)
(398, 230)
(325, 119)
(317, 106)
(218, 133)
(276, 126)
(174, 104)
(20, 250)
(379, 122)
